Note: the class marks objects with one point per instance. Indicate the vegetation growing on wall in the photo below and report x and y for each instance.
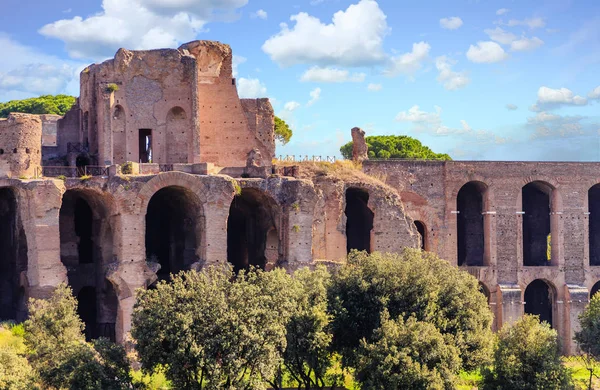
(46, 104)
(395, 146)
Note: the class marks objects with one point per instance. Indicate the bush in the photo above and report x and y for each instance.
(15, 371)
(589, 335)
(527, 356)
(112, 87)
(413, 283)
(127, 168)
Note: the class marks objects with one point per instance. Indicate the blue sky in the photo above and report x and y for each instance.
(478, 79)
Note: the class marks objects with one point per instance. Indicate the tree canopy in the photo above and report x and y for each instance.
(46, 104)
(283, 133)
(395, 146)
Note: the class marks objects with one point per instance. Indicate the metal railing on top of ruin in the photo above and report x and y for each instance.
(76, 147)
(56, 171)
(301, 158)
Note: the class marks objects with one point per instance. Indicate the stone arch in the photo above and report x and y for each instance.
(174, 229)
(87, 251)
(177, 136)
(119, 120)
(359, 220)
(169, 179)
(253, 230)
(13, 257)
(595, 289)
(422, 230)
(540, 297)
(472, 246)
(539, 203)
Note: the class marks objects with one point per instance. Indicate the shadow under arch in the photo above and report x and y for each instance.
(472, 246)
(540, 297)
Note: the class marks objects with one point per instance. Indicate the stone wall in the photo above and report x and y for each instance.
(20, 145)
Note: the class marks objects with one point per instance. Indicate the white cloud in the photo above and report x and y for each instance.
(526, 44)
(451, 23)
(486, 53)
(543, 116)
(547, 125)
(251, 88)
(501, 36)
(331, 75)
(409, 63)
(291, 106)
(532, 23)
(353, 38)
(594, 93)
(416, 115)
(137, 24)
(511, 107)
(260, 14)
(502, 11)
(450, 79)
(236, 61)
(374, 87)
(315, 95)
(552, 98)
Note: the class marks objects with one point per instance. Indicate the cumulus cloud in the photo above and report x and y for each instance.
(317, 74)
(502, 11)
(594, 93)
(549, 98)
(450, 79)
(451, 23)
(501, 36)
(251, 88)
(526, 44)
(532, 23)
(374, 87)
(353, 38)
(486, 53)
(260, 14)
(511, 107)
(291, 106)
(137, 24)
(409, 63)
(315, 95)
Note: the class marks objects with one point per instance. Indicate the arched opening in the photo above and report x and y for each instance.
(594, 224)
(252, 231)
(595, 289)
(174, 222)
(119, 135)
(539, 299)
(422, 234)
(82, 161)
(537, 240)
(177, 136)
(359, 221)
(86, 249)
(470, 224)
(13, 258)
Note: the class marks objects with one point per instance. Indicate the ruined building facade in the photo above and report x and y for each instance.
(159, 167)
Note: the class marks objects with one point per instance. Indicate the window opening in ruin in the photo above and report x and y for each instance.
(145, 145)
(422, 234)
(594, 289)
(594, 224)
(13, 259)
(536, 224)
(470, 225)
(173, 230)
(538, 300)
(88, 311)
(252, 236)
(359, 221)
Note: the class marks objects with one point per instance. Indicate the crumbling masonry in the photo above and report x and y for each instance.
(160, 167)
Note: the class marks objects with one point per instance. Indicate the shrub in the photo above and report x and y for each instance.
(112, 87)
(15, 371)
(127, 168)
(526, 357)
(589, 335)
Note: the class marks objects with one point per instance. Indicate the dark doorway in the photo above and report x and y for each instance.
(485, 291)
(470, 230)
(87, 310)
(594, 223)
(145, 145)
(13, 258)
(536, 224)
(595, 289)
(359, 220)
(173, 223)
(422, 234)
(538, 300)
(252, 238)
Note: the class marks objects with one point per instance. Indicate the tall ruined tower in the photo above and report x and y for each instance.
(20, 149)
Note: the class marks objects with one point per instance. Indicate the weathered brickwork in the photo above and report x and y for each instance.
(20, 145)
(430, 193)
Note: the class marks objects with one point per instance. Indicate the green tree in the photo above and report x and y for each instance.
(407, 354)
(413, 283)
(283, 133)
(395, 146)
(213, 329)
(15, 371)
(46, 104)
(588, 337)
(527, 357)
(59, 353)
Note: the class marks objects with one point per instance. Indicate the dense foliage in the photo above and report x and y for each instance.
(15, 371)
(46, 104)
(413, 283)
(395, 146)
(283, 133)
(527, 357)
(589, 335)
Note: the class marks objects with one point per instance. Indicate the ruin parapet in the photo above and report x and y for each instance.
(20, 145)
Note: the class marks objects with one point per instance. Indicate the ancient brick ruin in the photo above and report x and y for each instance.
(160, 167)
